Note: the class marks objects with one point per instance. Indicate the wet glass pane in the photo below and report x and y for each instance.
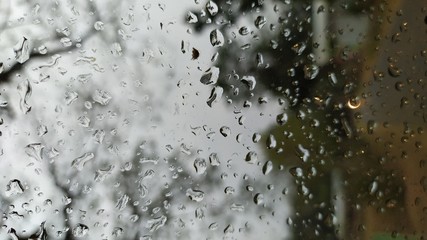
(195, 119)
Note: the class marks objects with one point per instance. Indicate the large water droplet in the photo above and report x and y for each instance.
(102, 97)
(260, 21)
(200, 165)
(282, 119)
(271, 142)
(210, 76)
(22, 50)
(251, 157)
(80, 230)
(70, 97)
(268, 166)
(311, 71)
(34, 150)
(195, 195)
(79, 162)
(24, 90)
(216, 95)
(214, 160)
(191, 18)
(249, 81)
(225, 131)
(212, 8)
(217, 39)
(156, 223)
(394, 71)
(259, 199)
(14, 187)
(122, 202)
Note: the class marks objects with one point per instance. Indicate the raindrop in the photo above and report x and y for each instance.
(200, 214)
(102, 97)
(259, 199)
(22, 50)
(260, 21)
(229, 190)
(24, 90)
(14, 187)
(214, 160)
(195, 195)
(394, 71)
(41, 130)
(256, 137)
(99, 136)
(71, 97)
(217, 39)
(216, 95)
(332, 79)
(212, 8)
(34, 151)
(122, 202)
(373, 187)
(299, 48)
(251, 157)
(311, 71)
(98, 25)
(271, 142)
(80, 230)
(84, 121)
(200, 165)
(210, 76)
(267, 168)
(249, 81)
(191, 18)
(244, 31)
(225, 131)
(79, 162)
(282, 119)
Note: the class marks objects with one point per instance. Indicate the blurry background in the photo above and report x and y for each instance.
(274, 119)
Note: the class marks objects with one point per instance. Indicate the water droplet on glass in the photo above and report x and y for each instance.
(210, 76)
(22, 50)
(251, 157)
(191, 18)
(84, 121)
(260, 21)
(373, 187)
(14, 187)
(79, 162)
(217, 39)
(102, 97)
(244, 31)
(99, 136)
(311, 71)
(41, 130)
(214, 160)
(271, 142)
(259, 199)
(216, 95)
(212, 8)
(394, 71)
(200, 165)
(299, 48)
(229, 190)
(155, 224)
(200, 214)
(80, 230)
(256, 137)
(34, 151)
(268, 166)
(98, 25)
(282, 119)
(24, 90)
(332, 79)
(225, 131)
(249, 81)
(122, 202)
(71, 97)
(195, 195)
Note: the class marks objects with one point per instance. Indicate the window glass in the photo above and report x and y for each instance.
(219, 119)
